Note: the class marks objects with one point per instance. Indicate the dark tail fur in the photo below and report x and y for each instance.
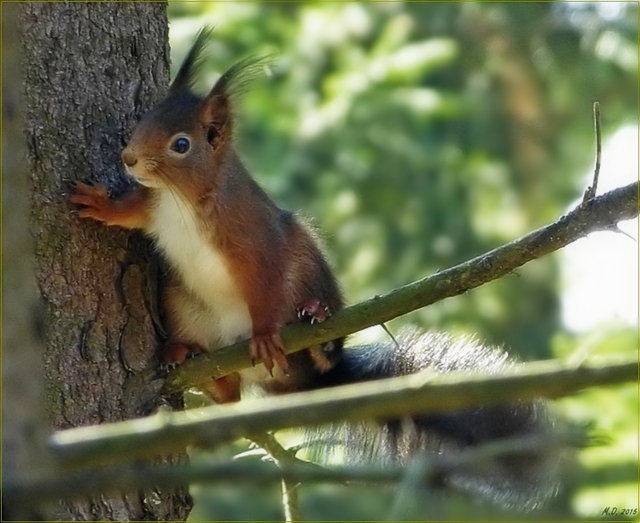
(525, 480)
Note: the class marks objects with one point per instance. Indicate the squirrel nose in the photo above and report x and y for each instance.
(129, 158)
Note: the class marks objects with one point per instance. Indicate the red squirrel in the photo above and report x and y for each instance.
(242, 268)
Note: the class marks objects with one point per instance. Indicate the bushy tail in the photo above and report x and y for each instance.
(525, 480)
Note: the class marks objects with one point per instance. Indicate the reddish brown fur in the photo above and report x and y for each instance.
(131, 211)
(273, 258)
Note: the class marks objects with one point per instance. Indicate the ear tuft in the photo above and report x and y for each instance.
(184, 80)
(218, 107)
(241, 75)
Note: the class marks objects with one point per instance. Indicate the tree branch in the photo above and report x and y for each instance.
(282, 457)
(596, 214)
(142, 476)
(417, 393)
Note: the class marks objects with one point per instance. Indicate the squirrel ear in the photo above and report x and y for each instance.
(186, 74)
(215, 113)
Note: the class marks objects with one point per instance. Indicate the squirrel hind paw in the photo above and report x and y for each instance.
(314, 310)
(269, 349)
(174, 353)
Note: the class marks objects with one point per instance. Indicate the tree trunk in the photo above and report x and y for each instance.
(91, 70)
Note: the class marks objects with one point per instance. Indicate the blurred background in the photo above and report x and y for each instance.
(419, 135)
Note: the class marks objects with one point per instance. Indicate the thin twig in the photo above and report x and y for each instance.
(618, 230)
(290, 500)
(268, 442)
(283, 457)
(591, 191)
(393, 338)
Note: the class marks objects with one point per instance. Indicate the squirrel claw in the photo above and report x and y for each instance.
(313, 309)
(166, 367)
(174, 353)
(269, 349)
(92, 200)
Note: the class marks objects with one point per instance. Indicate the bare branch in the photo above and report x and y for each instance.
(421, 392)
(142, 476)
(600, 213)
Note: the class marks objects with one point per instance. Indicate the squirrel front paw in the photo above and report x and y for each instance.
(130, 210)
(93, 200)
(268, 348)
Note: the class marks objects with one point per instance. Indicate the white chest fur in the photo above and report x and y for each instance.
(203, 271)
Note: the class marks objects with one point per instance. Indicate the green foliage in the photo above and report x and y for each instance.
(418, 135)
(605, 474)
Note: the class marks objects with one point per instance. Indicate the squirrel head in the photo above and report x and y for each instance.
(186, 138)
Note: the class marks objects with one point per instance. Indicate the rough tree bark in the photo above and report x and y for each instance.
(91, 69)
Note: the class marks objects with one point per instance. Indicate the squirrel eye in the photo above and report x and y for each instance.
(181, 145)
